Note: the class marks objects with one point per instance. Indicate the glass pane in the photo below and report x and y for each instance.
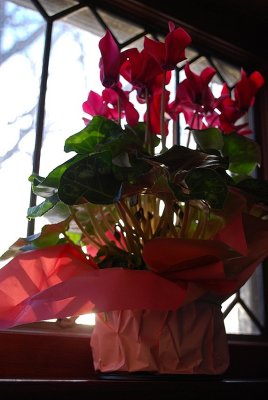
(21, 52)
(71, 75)
(86, 20)
(227, 302)
(252, 294)
(239, 322)
(53, 7)
(190, 53)
(198, 65)
(86, 319)
(229, 72)
(122, 29)
(137, 43)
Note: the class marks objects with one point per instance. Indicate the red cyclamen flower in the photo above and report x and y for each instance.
(139, 68)
(194, 98)
(246, 89)
(131, 114)
(154, 114)
(110, 61)
(232, 109)
(172, 51)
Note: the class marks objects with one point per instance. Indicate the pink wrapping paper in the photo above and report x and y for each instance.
(60, 281)
(191, 340)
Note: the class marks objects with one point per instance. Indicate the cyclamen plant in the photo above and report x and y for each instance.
(116, 194)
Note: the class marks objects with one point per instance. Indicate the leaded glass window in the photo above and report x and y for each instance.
(48, 63)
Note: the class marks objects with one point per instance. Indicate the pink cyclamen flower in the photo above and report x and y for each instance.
(105, 105)
(110, 61)
(172, 51)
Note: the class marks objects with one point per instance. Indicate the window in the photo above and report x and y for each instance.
(41, 105)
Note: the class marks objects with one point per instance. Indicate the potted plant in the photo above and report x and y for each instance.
(152, 240)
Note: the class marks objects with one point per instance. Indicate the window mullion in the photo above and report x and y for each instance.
(40, 114)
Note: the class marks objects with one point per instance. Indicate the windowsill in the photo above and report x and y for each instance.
(64, 354)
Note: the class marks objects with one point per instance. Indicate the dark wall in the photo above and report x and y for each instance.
(241, 22)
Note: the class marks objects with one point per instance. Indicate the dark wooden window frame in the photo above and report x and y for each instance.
(41, 353)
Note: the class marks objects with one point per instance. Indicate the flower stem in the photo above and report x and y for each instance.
(119, 110)
(185, 219)
(162, 112)
(189, 138)
(190, 130)
(147, 139)
(133, 245)
(82, 229)
(133, 220)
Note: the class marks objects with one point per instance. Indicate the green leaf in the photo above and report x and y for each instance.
(42, 208)
(209, 139)
(206, 184)
(102, 134)
(46, 187)
(139, 131)
(74, 237)
(132, 170)
(180, 158)
(130, 140)
(92, 179)
(99, 129)
(17, 247)
(243, 153)
(50, 235)
(58, 213)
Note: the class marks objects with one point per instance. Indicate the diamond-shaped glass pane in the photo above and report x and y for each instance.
(230, 73)
(123, 30)
(53, 7)
(239, 322)
(85, 20)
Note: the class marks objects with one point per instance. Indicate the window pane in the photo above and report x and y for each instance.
(72, 74)
(229, 73)
(238, 321)
(252, 294)
(122, 29)
(53, 7)
(21, 51)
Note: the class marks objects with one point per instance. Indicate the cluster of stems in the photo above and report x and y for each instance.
(126, 227)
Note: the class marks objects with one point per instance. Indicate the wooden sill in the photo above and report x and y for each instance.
(57, 353)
